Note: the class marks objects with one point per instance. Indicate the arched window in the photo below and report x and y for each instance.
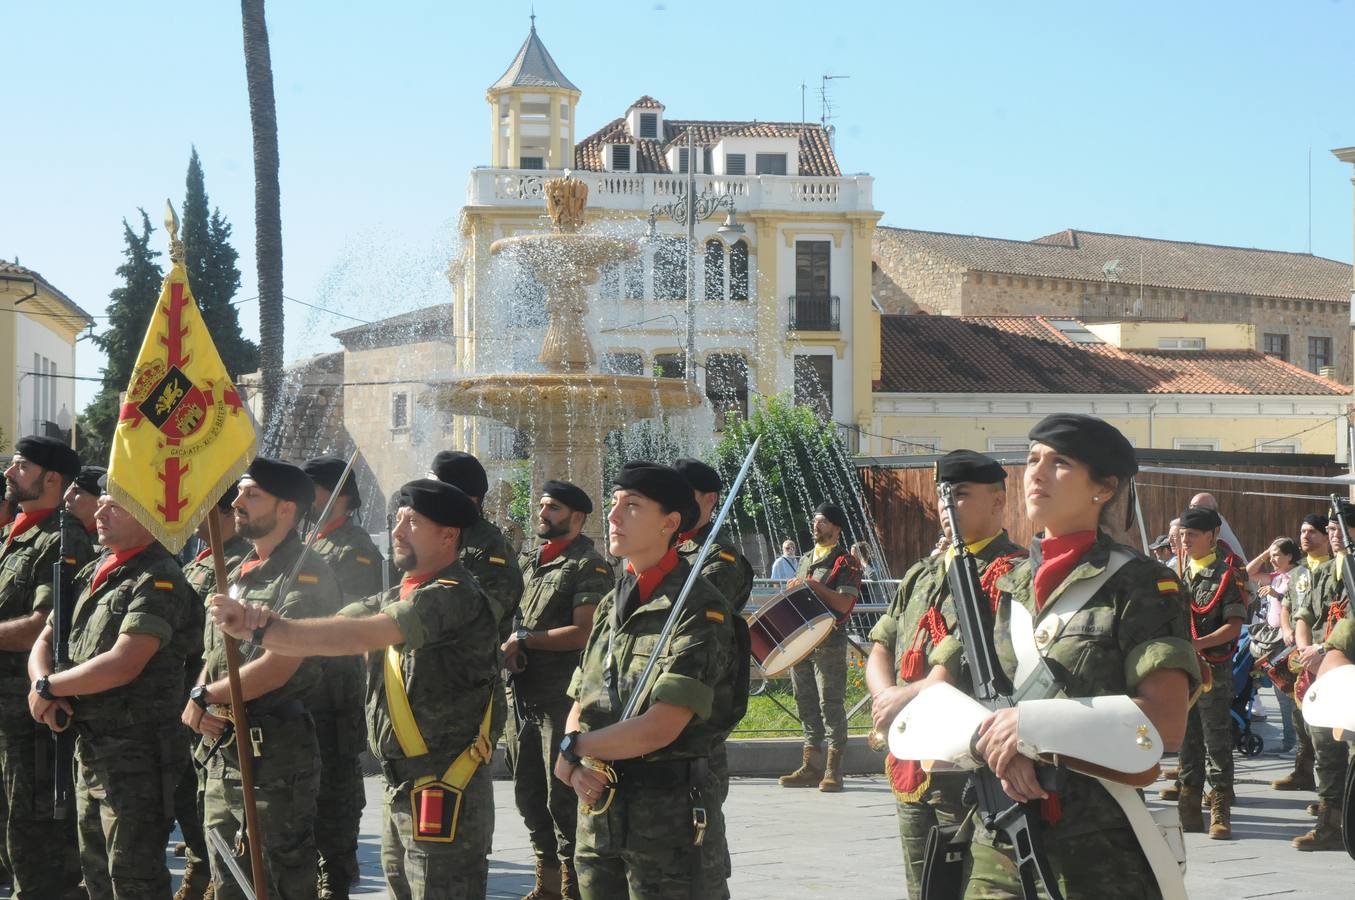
(738, 271)
(727, 386)
(715, 270)
(670, 269)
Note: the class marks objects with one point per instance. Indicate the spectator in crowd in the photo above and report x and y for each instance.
(1267, 635)
(861, 551)
(1226, 533)
(1174, 538)
(1161, 548)
(783, 567)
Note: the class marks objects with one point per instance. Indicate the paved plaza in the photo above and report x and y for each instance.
(801, 843)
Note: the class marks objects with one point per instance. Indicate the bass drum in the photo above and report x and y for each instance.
(787, 628)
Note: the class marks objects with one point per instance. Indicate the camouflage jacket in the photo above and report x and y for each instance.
(353, 558)
(924, 587)
(449, 659)
(26, 563)
(697, 670)
(1303, 578)
(1204, 587)
(837, 571)
(201, 577)
(1319, 599)
(725, 567)
(551, 592)
(1342, 638)
(1134, 625)
(146, 595)
(487, 556)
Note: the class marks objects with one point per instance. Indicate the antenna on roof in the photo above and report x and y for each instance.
(826, 111)
(1111, 270)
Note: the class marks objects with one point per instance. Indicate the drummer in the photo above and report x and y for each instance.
(820, 680)
(916, 645)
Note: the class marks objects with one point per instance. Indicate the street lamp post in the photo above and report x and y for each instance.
(688, 210)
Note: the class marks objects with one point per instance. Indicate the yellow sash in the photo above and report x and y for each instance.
(433, 820)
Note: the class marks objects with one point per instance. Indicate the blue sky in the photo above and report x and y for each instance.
(1190, 121)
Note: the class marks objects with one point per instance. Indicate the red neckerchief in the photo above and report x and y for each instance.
(1058, 557)
(92, 530)
(250, 566)
(26, 520)
(330, 528)
(647, 581)
(551, 549)
(686, 536)
(121, 558)
(203, 555)
(411, 583)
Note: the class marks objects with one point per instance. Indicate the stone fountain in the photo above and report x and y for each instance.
(569, 408)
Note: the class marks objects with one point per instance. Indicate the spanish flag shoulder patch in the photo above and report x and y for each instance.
(601, 570)
(70, 560)
(451, 581)
(164, 585)
(714, 615)
(365, 560)
(498, 560)
(307, 578)
(1166, 586)
(727, 556)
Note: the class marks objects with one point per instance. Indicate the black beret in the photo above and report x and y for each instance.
(662, 484)
(1317, 520)
(1347, 510)
(283, 480)
(570, 495)
(1093, 441)
(1199, 518)
(443, 503)
(91, 479)
(326, 472)
(461, 470)
(50, 454)
(833, 513)
(1160, 543)
(702, 477)
(224, 502)
(960, 466)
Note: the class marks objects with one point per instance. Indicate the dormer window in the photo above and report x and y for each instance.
(649, 125)
(682, 160)
(620, 157)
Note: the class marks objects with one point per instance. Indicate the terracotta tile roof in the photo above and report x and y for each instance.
(14, 270)
(816, 151)
(1178, 265)
(646, 102)
(1018, 355)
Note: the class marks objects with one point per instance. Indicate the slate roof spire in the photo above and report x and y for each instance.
(533, 67)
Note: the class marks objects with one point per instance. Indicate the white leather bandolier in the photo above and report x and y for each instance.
(1330, 700)
(1110, 733)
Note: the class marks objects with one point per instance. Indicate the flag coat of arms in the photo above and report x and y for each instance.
(183, 433)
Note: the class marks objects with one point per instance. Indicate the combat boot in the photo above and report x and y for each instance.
(333, 880)
(832, 773)
(810, 772)
(1221, 814)
(1172, 792)
(1301, 779)
(1311, 809)
(569, 882)
(547, 881)
(1326, 834)
(197, 882)
(1172, 774)
(1188, 808)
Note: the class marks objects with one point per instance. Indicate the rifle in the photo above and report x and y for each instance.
(63, 741)
(1019, 822)
(1347, 576)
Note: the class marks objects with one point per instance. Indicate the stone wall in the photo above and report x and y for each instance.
(912, 281)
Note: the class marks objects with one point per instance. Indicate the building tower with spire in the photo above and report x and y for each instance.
(532, 106)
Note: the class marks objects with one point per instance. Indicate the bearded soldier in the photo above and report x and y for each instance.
(1307, 578)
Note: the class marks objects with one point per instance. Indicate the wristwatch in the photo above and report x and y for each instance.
(199, 696)
(567, 746)
(43, 688)
(257, 638)
(522, 635)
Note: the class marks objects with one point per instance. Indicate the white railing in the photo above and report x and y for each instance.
(623, 190)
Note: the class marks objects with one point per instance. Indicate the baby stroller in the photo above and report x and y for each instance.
(1248, 742)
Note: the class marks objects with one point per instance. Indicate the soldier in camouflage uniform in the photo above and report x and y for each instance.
(273, 497)
(41, 853)
(1314, 569)
(82, 497)
(663, 834)
(201, 576)
(820, 680)
(1217, 609)
(916, 644)
(133, 621)
(486, 554)
(356, 563)
(1325, 605)
(564, 578)
(1130, 637)
(438, 632)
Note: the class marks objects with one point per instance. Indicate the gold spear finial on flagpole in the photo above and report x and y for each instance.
(172, 226)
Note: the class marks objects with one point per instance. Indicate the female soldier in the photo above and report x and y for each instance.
(1129, 637)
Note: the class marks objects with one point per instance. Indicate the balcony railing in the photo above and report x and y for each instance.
(810, 312)
(626, 190)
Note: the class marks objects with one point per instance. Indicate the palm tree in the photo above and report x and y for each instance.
(263, 117)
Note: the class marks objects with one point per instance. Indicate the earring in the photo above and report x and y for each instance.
(1096, 499)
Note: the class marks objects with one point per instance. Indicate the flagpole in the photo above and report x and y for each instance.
(244, 749)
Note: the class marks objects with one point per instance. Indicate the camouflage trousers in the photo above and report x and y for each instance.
(40, 852)
(188, 796)
(939, 807)
(1207, 748)
(338, 807)
(549, 807)
(429, 870)
(642, 847)
(1332, 759)
(124, 798)
(820, 683)
(1107, 865)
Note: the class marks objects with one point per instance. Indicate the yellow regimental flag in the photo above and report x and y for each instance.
(183, 433)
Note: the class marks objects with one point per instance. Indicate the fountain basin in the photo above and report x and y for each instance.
(540, 403)
(555, 258)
